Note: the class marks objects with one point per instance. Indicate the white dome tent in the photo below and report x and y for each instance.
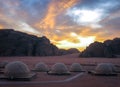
(76, 67)
(112, 66)
(41, 67)
(59, 69)
(104, 69)
(17, 70)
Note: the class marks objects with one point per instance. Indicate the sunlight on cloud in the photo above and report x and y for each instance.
(1, 26)
(83, 42)
(95, 25)
(54, 9)
(86, 41)
(73, 34)
(85, 17)
(64, 27)
(67, 23)
(27, 28)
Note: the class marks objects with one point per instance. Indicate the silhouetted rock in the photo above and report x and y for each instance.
(62, 52)
(46, 50)
(73, 50)
(94, 50)
(69, 51)
(15, 43)
(110, 48)
(114, 46)
(44, 40)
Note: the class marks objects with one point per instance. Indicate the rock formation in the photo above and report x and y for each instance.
(69, 51)
(15, 43)
(110, 48)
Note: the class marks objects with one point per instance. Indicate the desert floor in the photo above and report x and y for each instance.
(76, 79)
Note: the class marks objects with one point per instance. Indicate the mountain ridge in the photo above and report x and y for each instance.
(16, 43)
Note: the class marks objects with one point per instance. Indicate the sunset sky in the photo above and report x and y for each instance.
(67, 23)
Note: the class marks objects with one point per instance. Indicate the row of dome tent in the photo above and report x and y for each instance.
(17, 70)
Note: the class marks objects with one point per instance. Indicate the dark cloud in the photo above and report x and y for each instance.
(113, 24)
(93, 4)
(34, 7)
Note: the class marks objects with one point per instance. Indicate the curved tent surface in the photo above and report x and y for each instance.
(59, 69)
(41, 67)
(17, 70)
(76, 67)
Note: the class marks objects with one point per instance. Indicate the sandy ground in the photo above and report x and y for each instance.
(73, 80)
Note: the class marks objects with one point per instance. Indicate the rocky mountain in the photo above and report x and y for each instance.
(69, 51)
(109, 48)
(15, 43)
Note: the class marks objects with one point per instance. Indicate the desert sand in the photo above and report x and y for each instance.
(76, 79)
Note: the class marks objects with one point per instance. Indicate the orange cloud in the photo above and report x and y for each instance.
(74, 39)
(55, 8)
(98, 33)
(81, 37)
(62, 35)
(101, 34)
(80, 44)
(1, 26)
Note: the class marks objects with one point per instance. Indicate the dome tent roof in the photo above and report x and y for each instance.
(76, 67)
(112, 66)
(104, 69)
(59, 69)
(41, 67)
(17, 70)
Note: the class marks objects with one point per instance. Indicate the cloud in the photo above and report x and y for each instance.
(48, 18)
(93, 4)
(13, 17)
(1, 26)
(55, 8)
(112, 21)
(84, 16)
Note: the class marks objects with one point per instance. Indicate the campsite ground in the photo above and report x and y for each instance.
(74, 80)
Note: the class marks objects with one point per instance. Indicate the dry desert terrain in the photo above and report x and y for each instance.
(76, 79)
